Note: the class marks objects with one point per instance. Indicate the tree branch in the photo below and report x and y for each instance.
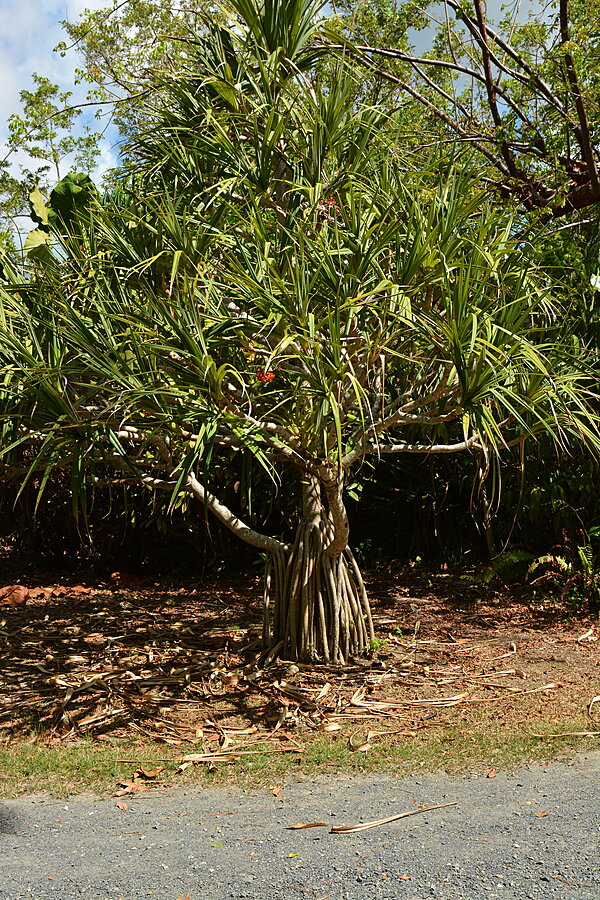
(475, 140)
(472, 442)
(516, 57)
(230, 520)
(491, 90)
(130, 432)
(583, 132)
(453, 66)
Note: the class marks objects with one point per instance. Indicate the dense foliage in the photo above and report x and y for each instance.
(274, 277)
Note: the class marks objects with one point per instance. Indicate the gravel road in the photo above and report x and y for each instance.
(520, 836)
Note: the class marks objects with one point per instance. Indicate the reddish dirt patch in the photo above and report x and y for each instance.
(181, 663)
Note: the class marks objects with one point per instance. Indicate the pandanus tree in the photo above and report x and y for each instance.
(274, 279)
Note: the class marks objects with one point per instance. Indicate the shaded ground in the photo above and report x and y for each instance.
(181, 664)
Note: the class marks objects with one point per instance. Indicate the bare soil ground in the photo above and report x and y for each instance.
(181, 664)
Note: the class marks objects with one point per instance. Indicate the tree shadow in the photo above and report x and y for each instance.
(8, 820)
(159, 661)
(90, 661)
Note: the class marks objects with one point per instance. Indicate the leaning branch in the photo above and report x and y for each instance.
(455, 66)
(230, 520)
(194, 487)
(509, 50)
(491, 90)
(452, 124)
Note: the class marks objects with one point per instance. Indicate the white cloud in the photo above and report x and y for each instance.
(74, 8)
(107, 160)
(30, 31)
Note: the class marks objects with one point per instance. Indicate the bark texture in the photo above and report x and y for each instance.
(315, 606)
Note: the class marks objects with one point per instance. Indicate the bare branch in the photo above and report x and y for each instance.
(471, 443)
(436, 111)
(455, 66)
(583, 132)
(491, 89)
(230, 520)
(534, 76)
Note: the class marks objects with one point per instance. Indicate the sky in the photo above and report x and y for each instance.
(29, 30)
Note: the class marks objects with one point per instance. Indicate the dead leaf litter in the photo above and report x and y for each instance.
(183, 667)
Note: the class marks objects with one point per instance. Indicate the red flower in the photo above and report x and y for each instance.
(265, 375)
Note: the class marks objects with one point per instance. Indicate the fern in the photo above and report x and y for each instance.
(559, 562)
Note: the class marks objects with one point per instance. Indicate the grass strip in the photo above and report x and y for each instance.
(457, 746)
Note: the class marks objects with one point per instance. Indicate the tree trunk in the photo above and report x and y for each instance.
(316, 606)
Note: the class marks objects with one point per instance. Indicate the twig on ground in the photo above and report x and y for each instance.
(363, 826)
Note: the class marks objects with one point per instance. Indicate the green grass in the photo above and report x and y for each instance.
(456, 746)
(81, 766)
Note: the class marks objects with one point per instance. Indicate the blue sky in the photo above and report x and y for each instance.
(29, 30)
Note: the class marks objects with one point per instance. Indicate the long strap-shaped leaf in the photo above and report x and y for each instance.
(346, 829)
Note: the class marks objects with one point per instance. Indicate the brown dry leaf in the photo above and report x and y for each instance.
(14, 595)
(541, 815)
(386, 706)
(330, 726)
(567, 734)
(324, 690)
(363, 746)
(544, 687)
(147, 773)
(276, 789)
(122, 805)
(130, 787)
(358, 696)
(491, 773)
(285, 714)
(298, 825)
(187, 897)
(41, 593)
(252, 729)
(587, 636)
(363, 826)
(215, 756)
(374, 734)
